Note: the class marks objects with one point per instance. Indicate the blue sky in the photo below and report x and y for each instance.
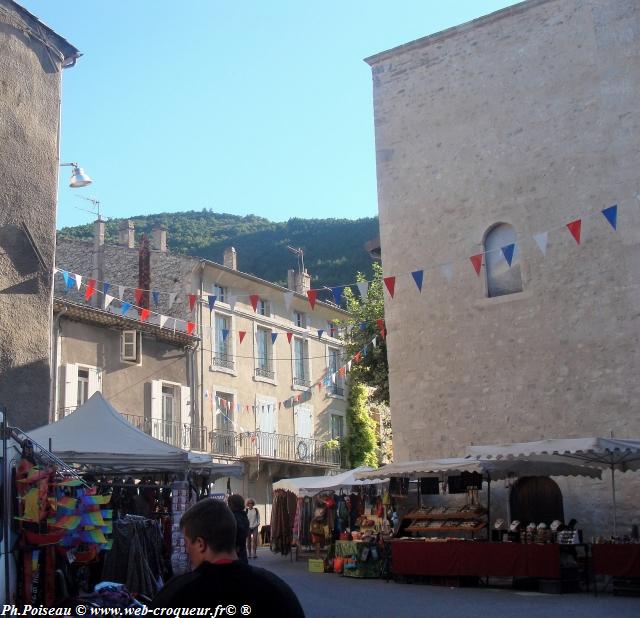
(248, 108)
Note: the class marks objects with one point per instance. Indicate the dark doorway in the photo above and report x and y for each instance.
(536, 499)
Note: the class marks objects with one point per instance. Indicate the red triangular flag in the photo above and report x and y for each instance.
(382, 332)
(380, 324)
(254, 298)
(144, 314)
(138, 296)
(574, 228)
(342, 371)
(91, 288)
(241, 334)
(289, 335)
(358, 355)
(312, 295)
(190, 327)
(192, 301)
(390, 282)
(476, 260)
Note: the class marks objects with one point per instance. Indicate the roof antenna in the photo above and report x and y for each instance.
(300, 253)
(96, 207)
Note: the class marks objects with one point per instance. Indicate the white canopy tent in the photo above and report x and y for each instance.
(311, 485)
(596, 453)
(98, 439)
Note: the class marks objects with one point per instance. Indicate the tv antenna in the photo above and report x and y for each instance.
(300, 253)
(96, 206)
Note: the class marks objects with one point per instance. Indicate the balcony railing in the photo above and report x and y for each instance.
(337, 390)
(265, 372)
(181, 435)
(233, 444)
(223, 360)
(301, 382)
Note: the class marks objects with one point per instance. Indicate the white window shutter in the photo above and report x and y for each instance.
(156, 400)
(185, 407)
(70, 388)
(95, 381)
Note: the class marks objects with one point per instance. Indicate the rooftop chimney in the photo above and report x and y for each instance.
(298, 282)
(98, 258)
(126, 234)
(159, 238)
(231, 258)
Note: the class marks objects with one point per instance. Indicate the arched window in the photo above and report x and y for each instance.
(501, 278)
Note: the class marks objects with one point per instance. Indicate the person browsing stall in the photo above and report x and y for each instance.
(254, 523)
(218, 577)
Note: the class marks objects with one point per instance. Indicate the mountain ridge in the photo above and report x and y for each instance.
(333, 248)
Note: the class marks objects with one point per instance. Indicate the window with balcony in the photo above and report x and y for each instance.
(222, 352)
(301, 373)
(170, 419)
(334, 359)
(337, 426)
(264, 356)
(223, 438)
(80, 382)
(168, 412)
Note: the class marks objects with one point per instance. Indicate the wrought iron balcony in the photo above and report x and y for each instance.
(286, 448)
(301, 381)
(223, 360)
(181, 435)
(223, 442)
(337, 390)
(265, 372)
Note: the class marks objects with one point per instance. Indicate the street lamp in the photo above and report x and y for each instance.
(78, 177)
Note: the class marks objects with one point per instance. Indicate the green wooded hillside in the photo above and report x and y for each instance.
(333, 248)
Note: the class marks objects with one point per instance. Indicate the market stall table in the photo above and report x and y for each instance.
(621, 560)
(474, 559)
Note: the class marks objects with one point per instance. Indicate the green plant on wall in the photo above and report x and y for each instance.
(360, 442)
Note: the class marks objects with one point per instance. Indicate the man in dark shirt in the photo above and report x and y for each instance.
(219, 578)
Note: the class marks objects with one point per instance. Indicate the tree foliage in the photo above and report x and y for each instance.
(333, 248)
(373, 369)
(360, 443)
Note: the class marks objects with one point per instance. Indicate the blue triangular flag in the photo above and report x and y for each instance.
(508, 252)
(156, 298)
(105, 287)
(274, 336)
(611, 215)
(417, 277)
(125, 307)
(320, 333)
(365, 350)
(225, 334)
(212, 301)
(363, 326)
(68, 281)
(337, 294)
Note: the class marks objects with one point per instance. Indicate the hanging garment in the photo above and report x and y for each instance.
(429, 486)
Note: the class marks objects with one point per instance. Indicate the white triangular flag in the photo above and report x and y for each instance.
(232, 301)
(107, 300)
(349, 366)
(55, 271)
(447, 271)
(288, 299)
(78, 280)
(363, 288)
(163, 320)
(121, 292)
(541, 241)
(172, 298)
(374, 341)
(333, 377)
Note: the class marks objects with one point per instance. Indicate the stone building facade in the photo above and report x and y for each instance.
(259, 374)
(32, 58)
(490, 133)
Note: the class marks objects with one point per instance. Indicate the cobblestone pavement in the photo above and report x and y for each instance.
(326, 595)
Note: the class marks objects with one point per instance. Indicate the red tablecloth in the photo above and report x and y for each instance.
(617, 560)
(460, 558)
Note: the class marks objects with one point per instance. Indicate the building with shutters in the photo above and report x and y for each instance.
(489, 134)
(266, 386)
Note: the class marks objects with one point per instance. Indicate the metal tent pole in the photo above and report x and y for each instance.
(613, 491)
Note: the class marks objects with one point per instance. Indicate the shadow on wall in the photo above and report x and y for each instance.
(15, 245)
(24, 392)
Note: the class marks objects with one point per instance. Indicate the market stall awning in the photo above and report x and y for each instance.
(311, 485)
(97, 438)
(493, 469)
(596, 453)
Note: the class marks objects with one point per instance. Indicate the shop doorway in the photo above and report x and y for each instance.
(536, 499)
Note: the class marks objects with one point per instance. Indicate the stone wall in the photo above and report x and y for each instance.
(528, 116)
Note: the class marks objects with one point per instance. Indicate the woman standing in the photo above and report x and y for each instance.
(236, 504)
(254, 523)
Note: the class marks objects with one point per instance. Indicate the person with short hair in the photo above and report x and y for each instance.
(236, 504)
(218, 577)
(253, 515)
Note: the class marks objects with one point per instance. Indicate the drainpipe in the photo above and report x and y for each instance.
(201, 343)
(55, 369)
